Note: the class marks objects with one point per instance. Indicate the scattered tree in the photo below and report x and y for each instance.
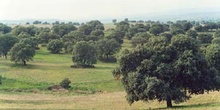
(55, 46)
(166, 71)
(122, 26)
(7, 41)
(22, 52)
(107, 48)
(84, 54)
(114, 21)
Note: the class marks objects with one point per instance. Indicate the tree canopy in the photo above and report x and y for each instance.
(62, 29)
(166, 71)
(4, 28)
(22, 52)
(156, 29)
(84, 54)
(7, 41)
(55, 46)
(107, 48)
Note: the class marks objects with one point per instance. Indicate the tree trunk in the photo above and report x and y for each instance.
(24, 63)
(169, 102)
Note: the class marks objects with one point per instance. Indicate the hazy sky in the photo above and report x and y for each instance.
(94, 9)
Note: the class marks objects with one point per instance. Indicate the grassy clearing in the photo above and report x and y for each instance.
(101, 101)
(48, 69)
(36, 25)
(106, 25)
(109, 25)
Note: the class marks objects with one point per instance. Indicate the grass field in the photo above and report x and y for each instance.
(48, 69)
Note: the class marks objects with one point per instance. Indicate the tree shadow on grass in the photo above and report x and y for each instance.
(207, 105)
(28, 66)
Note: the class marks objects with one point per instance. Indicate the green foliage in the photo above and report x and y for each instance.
(107, 48)
(217, 34)
(46, 37)
(140, 38)
(55, 46)
(216, 40)
(192, 33)
(117, 35)
(68, 47)
(31, 30)
(74, 37)
(65, 83)
(182, 25)
(37, 22)
(24, 35)
(156, 29)
(4, 28)
(205, 38)
(187, 26)
(32, 41)
(98, 33)
(166, 71)
(7, 41)
(22, 52)
(137, 28)
(114, 21)
(177, 28)
(62, 29)
(213, 55)
(122, 26)
(84, 53)
(85, 29)
(0, 80)
(177, 31)
(96, 25)
(167, 35)
(183, 43)
(90, 26)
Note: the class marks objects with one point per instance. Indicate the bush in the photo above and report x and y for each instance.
(55, 46)
(65, 83)
(82, 66)
(1, 80)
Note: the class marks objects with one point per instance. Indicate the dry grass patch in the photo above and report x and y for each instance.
(101, 101)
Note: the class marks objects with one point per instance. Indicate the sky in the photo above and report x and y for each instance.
(95, 9)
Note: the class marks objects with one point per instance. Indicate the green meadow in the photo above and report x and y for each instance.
(50, 69)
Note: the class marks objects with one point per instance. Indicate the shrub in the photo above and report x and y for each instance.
(1, 80)
(65, 83)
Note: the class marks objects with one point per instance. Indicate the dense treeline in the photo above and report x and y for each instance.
(62, 37)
